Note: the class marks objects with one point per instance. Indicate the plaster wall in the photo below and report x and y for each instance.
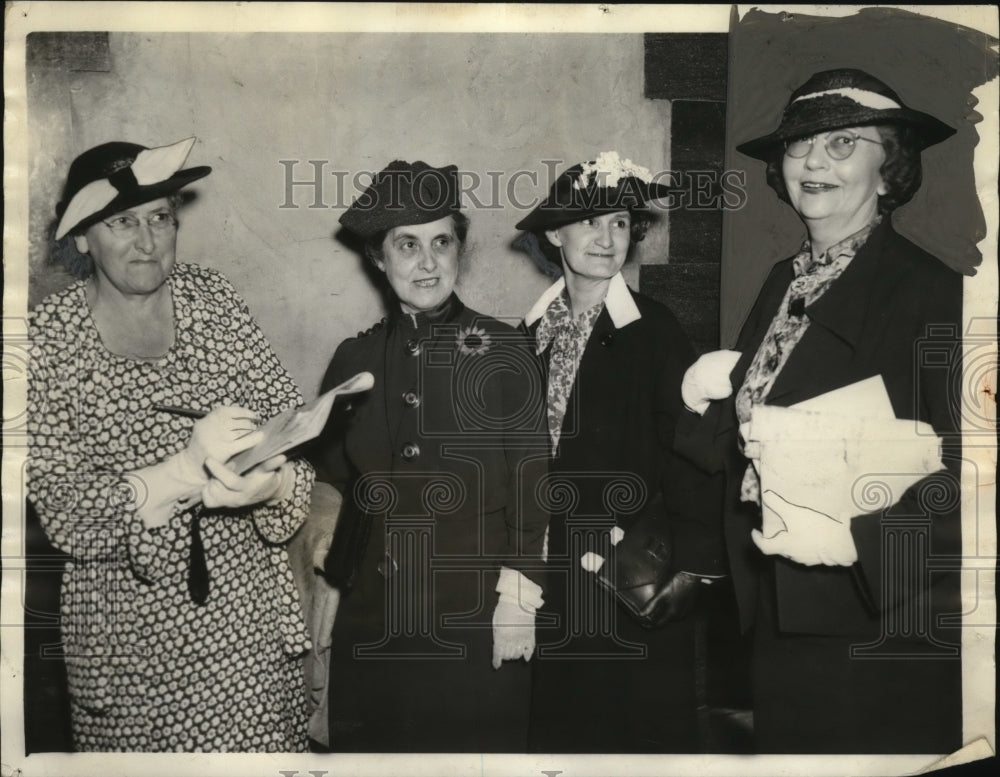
(491, 104)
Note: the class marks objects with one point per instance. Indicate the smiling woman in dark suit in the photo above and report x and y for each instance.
(438, 479)
(850, 651)
(605, 681)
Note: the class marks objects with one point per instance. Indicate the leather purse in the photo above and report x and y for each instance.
(347, 549)
(640, 563)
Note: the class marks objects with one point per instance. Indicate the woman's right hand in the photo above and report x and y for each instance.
(179, 480)
(708, 379)
(221, 435)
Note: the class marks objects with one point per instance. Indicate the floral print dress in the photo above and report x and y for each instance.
(148, 669)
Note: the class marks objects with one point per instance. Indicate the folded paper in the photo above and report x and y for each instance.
(297, 425)
(843, 453)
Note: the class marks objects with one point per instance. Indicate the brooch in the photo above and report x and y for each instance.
(473, 341)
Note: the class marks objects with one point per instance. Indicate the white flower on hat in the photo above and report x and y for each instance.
(608, 169)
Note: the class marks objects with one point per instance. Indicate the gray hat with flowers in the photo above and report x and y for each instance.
(606, 185)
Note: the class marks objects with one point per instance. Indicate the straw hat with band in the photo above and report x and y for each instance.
(404, 193)
(834, 99)
(605, 185)
(116, 176)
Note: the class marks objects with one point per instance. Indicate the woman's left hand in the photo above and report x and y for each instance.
(809, 537)
(264, 482)
(675, 600)
(708, 379)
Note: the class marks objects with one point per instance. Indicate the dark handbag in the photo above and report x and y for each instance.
(641, 562)
(347, 549)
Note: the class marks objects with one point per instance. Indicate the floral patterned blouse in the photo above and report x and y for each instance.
(812, 278)
(568, 336)
(148, 669)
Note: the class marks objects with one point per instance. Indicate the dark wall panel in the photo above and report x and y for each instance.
(686, 65)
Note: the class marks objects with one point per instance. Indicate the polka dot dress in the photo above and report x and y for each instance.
(148, 669)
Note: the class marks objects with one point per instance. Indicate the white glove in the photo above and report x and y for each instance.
(809, 537)
(708, 379)
(270, 480)
(178, 481)
(514, 617)
(221, 434)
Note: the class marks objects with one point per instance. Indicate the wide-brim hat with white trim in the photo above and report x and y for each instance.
(834, 99)
(607, 184)
(114, 176)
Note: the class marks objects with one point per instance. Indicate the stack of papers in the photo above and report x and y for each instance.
(843, 453)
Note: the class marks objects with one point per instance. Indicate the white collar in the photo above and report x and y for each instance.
(618, 301)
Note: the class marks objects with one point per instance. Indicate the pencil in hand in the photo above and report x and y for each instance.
(177, 410)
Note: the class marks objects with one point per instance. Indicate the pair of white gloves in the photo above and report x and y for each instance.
(199, 473)
(810, 537)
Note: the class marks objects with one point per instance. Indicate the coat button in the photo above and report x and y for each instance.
(412, 347)
(411, 399)
(607, 339)
(410, 451)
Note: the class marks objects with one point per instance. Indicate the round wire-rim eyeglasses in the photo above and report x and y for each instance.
(128, 224)
(839, 144)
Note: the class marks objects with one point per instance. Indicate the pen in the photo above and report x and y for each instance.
(192, 413)
(177, 410)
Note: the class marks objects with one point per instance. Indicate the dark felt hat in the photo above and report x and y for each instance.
(114, 176)
(402, 194)
(834, 99)
(606, 185)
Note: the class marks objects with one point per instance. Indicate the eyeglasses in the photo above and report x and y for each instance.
(126, 224)
(839, 145)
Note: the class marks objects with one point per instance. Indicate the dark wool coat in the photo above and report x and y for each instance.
(438, 475)
(602, 683)
(857, 659)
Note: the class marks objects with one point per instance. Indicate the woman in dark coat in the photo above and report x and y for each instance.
(851, 653)
(438, 478)
(605, 682)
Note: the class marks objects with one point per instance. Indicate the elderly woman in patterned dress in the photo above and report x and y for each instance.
(180, 617)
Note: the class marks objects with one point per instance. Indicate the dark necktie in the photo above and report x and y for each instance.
(198, 568)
